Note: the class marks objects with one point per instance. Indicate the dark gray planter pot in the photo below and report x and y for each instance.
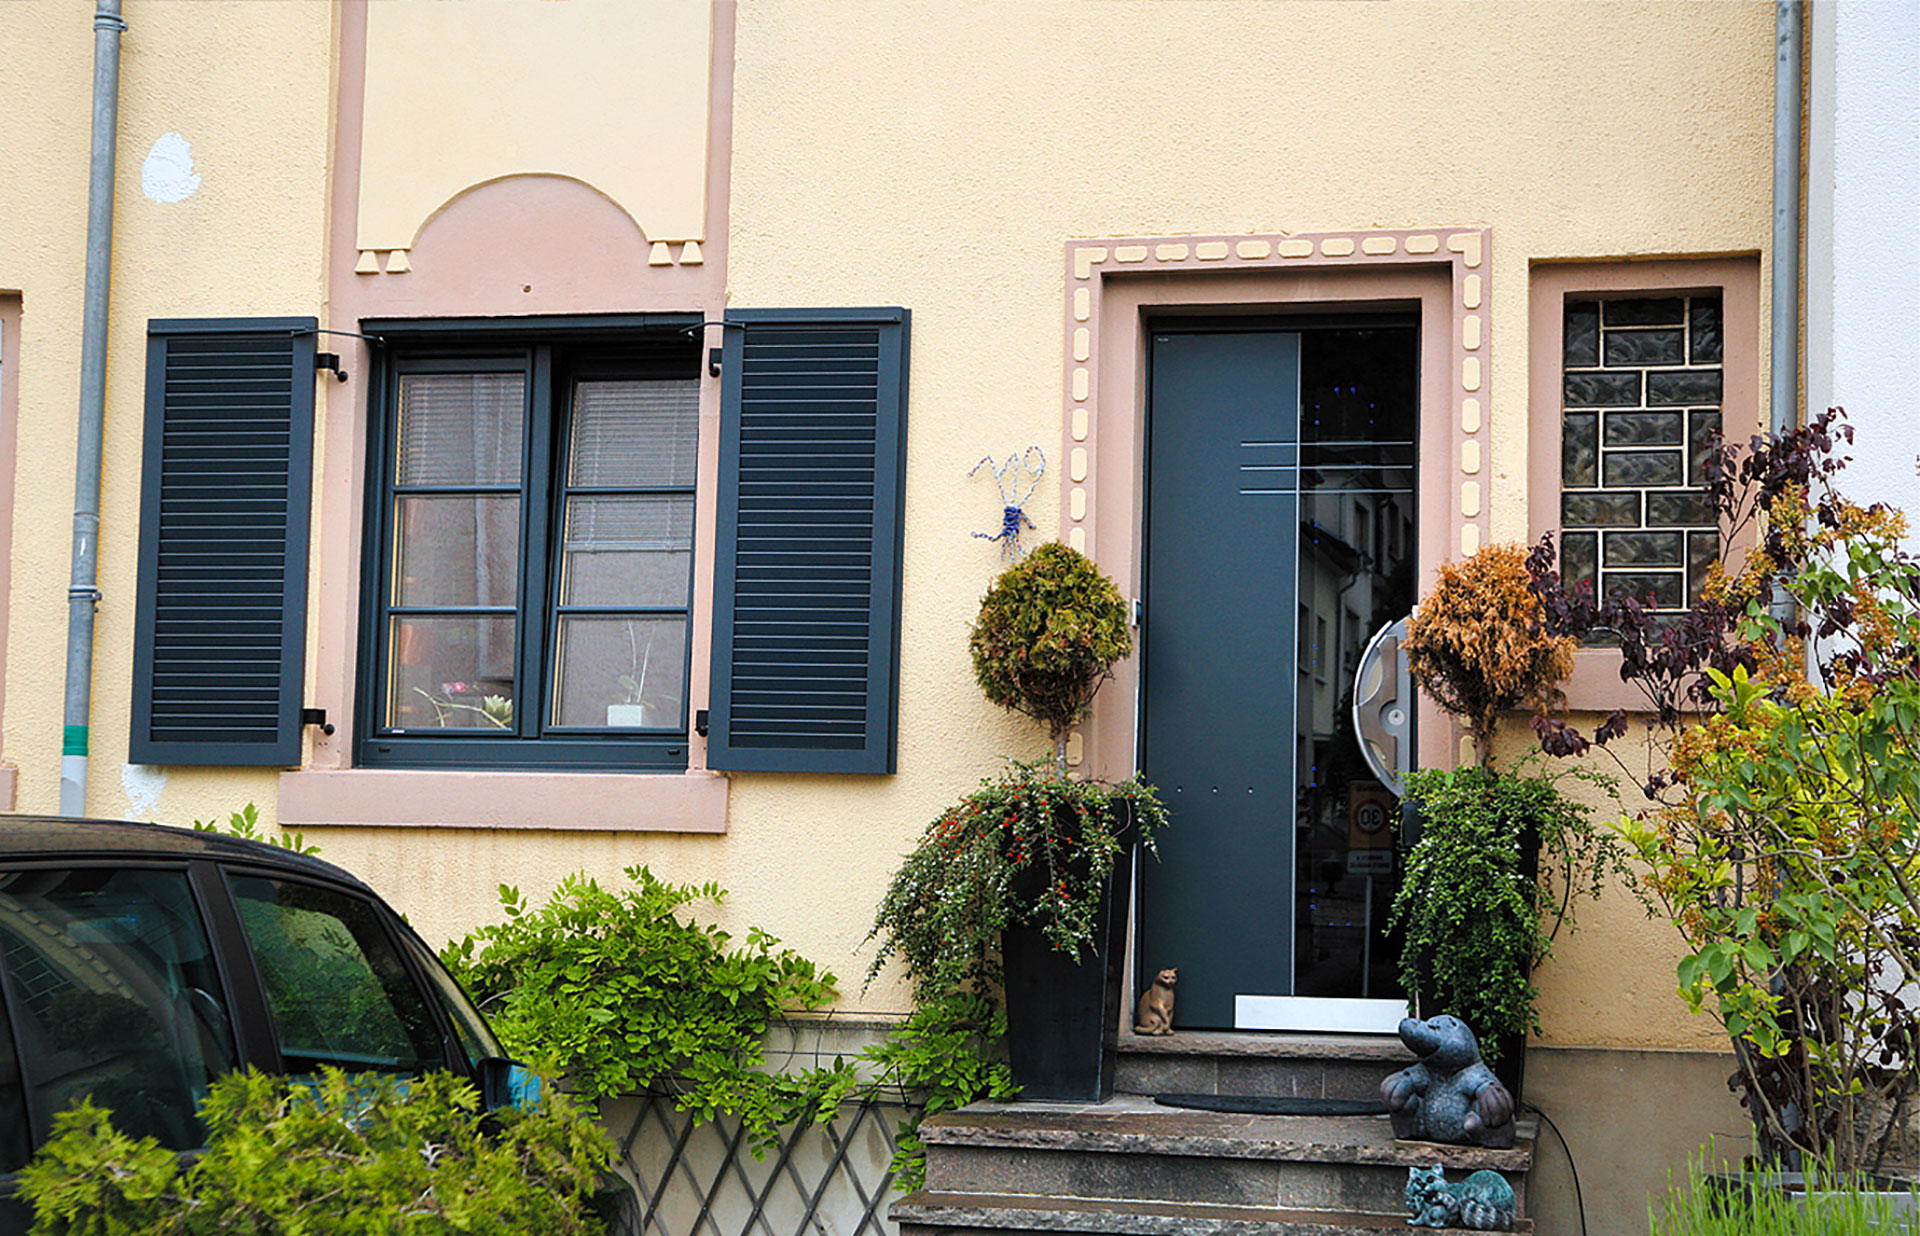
(1063, 1014)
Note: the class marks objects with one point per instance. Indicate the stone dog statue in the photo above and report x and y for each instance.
(1449, 1096)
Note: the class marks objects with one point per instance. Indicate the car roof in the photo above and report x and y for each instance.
(41, 837)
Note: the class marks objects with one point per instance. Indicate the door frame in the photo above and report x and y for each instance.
(1114, 285)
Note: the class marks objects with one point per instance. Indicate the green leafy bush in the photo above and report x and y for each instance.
(348, 1154)
(948, 1054)
(1473, 920)
(617, 993)
(245, 824)
(1048, 632)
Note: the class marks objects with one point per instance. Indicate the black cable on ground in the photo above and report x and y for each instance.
(1579, 1202)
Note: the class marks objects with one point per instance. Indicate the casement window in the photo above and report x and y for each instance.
(528, 576)
(529, 572)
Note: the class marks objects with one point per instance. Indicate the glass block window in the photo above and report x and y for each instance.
(1641, 402)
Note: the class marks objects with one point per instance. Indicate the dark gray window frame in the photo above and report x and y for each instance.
(405, 343)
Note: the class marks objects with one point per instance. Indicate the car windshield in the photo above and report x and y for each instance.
(476, 1037)
(115, 996)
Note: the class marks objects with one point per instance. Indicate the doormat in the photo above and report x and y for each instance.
(1258, 1105)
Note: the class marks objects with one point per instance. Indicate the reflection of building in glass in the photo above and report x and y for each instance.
(1359, 423)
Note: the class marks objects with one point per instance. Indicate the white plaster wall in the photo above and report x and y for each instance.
(1863, 213)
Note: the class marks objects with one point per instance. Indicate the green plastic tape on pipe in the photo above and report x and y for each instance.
(75, 741)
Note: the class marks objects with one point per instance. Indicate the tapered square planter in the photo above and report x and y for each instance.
(1063, 1015)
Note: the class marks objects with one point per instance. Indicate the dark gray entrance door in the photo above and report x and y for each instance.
(1279, 536)
(1223, 525)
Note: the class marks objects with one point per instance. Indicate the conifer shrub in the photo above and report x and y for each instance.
(1049, 631)
(1479, 646)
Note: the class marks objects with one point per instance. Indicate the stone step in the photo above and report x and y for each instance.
(1131, 1149)
(928, 1213)
(1332, 1066)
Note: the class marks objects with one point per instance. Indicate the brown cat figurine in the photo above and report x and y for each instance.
(1156, 1005)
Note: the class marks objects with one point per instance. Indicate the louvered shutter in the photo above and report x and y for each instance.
(220, 628)
(807, 559)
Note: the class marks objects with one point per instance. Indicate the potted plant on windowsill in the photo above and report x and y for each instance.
(1479, 907)
(1022, 884)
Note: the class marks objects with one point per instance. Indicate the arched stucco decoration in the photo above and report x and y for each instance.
(523, 244)
(612, 93)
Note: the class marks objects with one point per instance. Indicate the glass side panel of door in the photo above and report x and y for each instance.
(1359, 416)
(336, 986)
(115, 997)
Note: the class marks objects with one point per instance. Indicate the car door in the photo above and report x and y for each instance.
(114, 992)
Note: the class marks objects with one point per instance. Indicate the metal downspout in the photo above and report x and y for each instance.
(82, 595)
(1785, 402)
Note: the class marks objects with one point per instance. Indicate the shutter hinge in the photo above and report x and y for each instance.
(1139, 611)
(700, 722)
(330, 361)
(713, 362)
(316, 716)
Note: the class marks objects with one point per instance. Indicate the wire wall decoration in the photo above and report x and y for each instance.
(1018, 477)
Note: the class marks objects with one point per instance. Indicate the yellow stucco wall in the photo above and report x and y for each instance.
(1571, 130)
(919, 152)
(247, 87)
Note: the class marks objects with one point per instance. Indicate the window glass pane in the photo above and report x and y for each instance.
(635, 432)
(452, 672)
(624, 550)
(628, 672)
(336, 987)
(457, 550)
(460, 428)
(476, 1037)
(117, 997)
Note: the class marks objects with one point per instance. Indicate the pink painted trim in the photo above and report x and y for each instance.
(590, 802)
(1443, 272)
(1595, 685)
(448, 279)
(10, 315)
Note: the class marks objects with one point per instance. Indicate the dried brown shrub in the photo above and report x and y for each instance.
(1477, 645)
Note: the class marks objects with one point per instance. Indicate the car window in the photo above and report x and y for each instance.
(476, 1037)
(115, 996)
(336, 987)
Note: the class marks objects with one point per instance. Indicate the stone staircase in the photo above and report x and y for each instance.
(1131, 1167)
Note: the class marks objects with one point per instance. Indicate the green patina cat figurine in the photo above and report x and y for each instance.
(1483, 1202)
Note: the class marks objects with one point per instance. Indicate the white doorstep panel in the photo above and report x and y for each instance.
(1311, 1013)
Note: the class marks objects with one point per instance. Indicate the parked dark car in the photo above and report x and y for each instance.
(137, 963)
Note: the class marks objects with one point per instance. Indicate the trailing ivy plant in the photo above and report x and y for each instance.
(617, 992)
(1475, 923)
(342, 1153)
(946, 1055)
(1028, 847)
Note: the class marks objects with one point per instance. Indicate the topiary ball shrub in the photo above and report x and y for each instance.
(1478, 646)
(1048, 633)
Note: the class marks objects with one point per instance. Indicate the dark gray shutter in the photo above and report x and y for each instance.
(219, 627)
(807, 560)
